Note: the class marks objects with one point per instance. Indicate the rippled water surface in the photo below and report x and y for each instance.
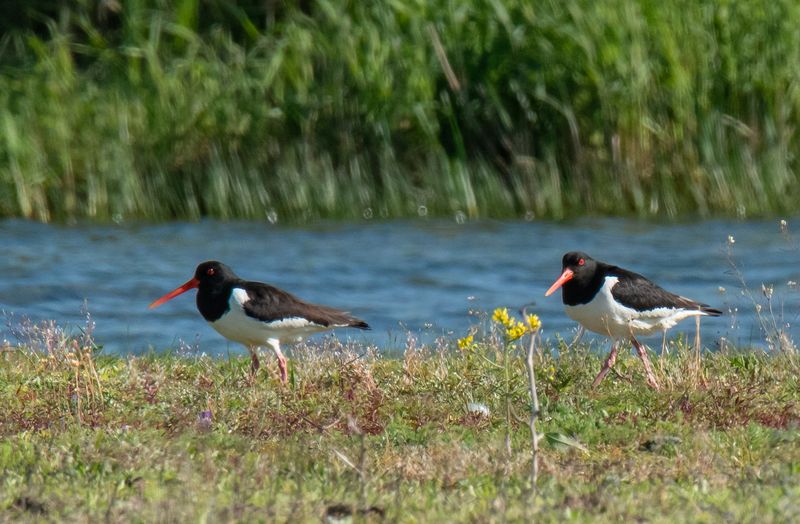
(423, 277)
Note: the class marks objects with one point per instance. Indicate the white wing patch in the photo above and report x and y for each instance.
(293, 323)
(240, 296)
(608, 317)
(236, 325)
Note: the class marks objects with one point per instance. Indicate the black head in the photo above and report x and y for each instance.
(579, 262)
(577, 270)
(212, 274)
(210, 277)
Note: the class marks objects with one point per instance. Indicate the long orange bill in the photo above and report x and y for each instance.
(565, 276)
(193, 283)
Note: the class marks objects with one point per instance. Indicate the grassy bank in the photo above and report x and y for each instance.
(165, 438)
(348, 109)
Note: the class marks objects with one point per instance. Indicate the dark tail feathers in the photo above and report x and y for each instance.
(358, 323)
(710, 311)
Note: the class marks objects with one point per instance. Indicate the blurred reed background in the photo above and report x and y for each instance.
(299, 110)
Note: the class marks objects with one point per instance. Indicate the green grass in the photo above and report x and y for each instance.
(718, 443)
(351, 109)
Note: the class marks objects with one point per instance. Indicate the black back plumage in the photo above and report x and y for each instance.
(637, 292)
(266, 303)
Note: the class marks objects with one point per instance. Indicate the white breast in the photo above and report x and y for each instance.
(608, 317)
(236, 325)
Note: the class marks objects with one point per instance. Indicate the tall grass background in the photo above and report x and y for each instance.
(308, 109)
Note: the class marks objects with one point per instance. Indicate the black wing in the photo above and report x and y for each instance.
(268, 303)
(637, 292)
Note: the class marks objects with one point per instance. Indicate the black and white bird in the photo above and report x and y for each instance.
(256, 314)
(620, 304)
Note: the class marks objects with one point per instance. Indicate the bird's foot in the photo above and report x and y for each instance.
(282, 368)
(652, 382)
(648, 367)
(607, 365)
(254, 364)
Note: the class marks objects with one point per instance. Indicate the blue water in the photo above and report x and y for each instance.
(421, 277)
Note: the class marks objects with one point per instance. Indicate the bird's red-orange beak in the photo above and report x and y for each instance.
(565, 276)
(191, 284)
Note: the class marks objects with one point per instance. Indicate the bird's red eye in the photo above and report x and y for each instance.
(210, 271)
(581, 262)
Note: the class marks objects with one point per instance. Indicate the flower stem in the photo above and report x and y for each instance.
(534, 414)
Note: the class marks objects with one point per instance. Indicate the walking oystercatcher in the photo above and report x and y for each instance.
(256, 314)
(620, 304)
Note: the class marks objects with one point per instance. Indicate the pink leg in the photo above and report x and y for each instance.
(648, 368)
(609, 363)
(282, 368)
(254, 362)
(697, 339)
(275, 344)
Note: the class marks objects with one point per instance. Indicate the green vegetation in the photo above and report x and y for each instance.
(320, 108)
(168, 438)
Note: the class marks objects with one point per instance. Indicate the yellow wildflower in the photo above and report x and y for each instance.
(515, 330)
(465, 343)
(534, 324)
(500, 316)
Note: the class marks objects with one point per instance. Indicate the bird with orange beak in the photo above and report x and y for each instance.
(256, 314)
(620, 304)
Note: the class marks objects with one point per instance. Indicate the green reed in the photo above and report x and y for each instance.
(344, 110)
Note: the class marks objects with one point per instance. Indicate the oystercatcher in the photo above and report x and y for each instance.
(620, 304)
(256, 314)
